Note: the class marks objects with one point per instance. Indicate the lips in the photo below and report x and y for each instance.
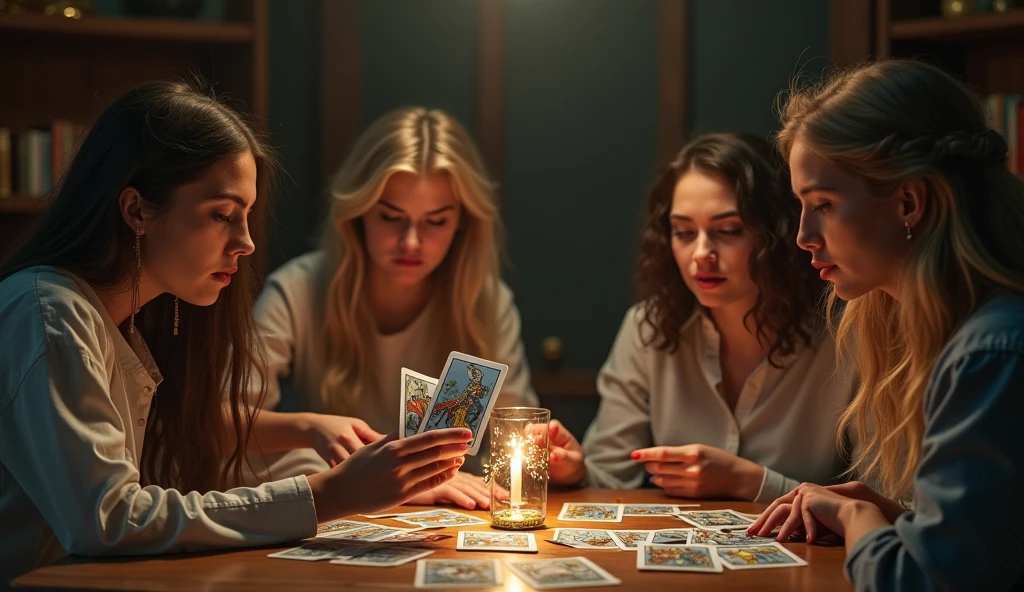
(407, 262)
(708, 281)
(824, 269)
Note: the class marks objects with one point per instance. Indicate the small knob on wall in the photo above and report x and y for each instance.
(551, 351)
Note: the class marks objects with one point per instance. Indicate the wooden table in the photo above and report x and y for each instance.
(250, 570)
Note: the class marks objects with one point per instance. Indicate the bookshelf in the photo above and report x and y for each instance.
(53, 68)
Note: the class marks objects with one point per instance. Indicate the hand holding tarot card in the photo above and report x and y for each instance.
(465, 394)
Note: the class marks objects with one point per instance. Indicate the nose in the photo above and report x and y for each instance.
(808, 235)
(241, 243)
(411, 239)
(704, 251)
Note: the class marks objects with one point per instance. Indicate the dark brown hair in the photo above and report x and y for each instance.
(156, 138)
(786, 313)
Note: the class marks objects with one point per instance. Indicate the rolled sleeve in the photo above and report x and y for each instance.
(773, 486)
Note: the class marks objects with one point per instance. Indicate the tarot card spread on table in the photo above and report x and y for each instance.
(465, 394)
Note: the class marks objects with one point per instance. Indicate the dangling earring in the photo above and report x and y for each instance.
(175, 315)
(136, 281)
(907, 225)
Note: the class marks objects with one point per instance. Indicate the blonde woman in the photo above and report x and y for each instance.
(407, 271)
(910, 212)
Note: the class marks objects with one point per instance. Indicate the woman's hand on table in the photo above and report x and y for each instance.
(701, 472)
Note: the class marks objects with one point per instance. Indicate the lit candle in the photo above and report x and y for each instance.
(517, 479)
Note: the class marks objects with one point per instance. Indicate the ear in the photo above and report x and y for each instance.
(131, 205)
(913, 199)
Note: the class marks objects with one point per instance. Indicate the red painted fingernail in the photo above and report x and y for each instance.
(635, 455)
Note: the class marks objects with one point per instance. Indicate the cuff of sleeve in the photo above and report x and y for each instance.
(860, 548)
(294, 500)
(773, 486)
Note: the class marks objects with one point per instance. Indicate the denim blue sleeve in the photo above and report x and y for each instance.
(966, 530)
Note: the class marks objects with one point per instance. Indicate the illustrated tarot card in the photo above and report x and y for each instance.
(758, 557)
(677, 558)
(416, 392)
(579, 512)
(565, 572)
(465, 394)
(449, 574)
(715, 519)
(519, 542)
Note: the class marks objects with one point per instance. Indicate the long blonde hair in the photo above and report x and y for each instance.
(418, 141)
(890, 122)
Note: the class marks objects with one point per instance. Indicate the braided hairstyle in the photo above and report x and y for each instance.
(890, 122)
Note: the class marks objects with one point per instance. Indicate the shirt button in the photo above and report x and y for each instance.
(142, 422)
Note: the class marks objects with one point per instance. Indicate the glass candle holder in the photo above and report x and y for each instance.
(518, 469)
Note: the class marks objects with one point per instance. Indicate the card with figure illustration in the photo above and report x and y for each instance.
(700, 558)
(328, 529)
(440, 518)
(565, 572)
(715, 519)
(518, 542)
(584, 538)
(627, 540)
(466, 392)
(654, 509)
(723, 538)
(417, 390)
(761, 556)
(451, 574)
(370, 532)
(673, 536)
(577, 512)
(384, 556)
(312, 552)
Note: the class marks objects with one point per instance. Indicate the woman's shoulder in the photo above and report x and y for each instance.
(996, 325)
(42, 306)
(304, 269)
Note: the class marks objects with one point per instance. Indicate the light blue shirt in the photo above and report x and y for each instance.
(966, 530)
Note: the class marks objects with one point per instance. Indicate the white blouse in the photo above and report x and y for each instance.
(784, 419)
(74, 399)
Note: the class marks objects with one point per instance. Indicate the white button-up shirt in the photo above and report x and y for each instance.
(785, 419)
(74, 398)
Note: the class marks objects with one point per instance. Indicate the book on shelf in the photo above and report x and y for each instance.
(1006, 116)
(32, 160)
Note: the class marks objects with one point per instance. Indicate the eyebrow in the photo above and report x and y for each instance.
(722, 216)
(392, 206)
(816, 187)
(231, 197)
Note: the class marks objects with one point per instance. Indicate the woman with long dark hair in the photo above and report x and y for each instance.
(128, 335)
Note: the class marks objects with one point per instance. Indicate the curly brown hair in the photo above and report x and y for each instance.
(788, 308)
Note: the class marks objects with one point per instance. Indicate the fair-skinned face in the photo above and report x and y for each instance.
(857, 240)
(410, 229)
(192, 248)
(710, 242)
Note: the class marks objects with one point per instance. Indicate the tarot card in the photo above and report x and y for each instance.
(670, 536)
(577, 512)
(311, 552)
(722, 538)
(715, 519)
(519, 542)
(416, 392)
(677, 558)
(439, 519)
(384, 556)
(650, 510)
(627, 540)
(584, 538)
(465, 394)
(414, 536)
(372, 532)
(566, 572)
(458, 573)
(329, 528)
(759, 556)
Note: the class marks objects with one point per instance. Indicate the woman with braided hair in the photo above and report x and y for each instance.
(910, 212)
